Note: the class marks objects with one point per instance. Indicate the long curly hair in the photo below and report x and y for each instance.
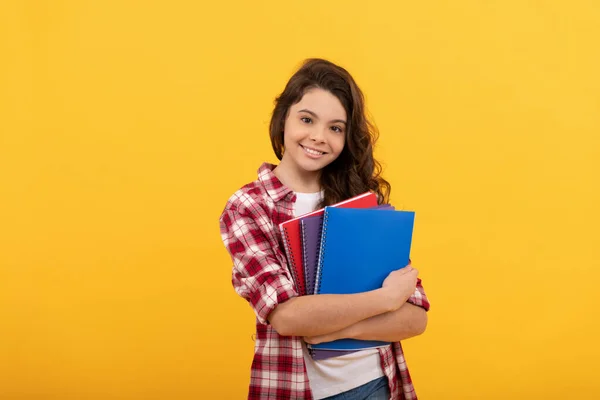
(355, 171)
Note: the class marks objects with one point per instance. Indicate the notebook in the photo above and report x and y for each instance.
(292, 241)
(311, 241)
(359, 248)
(322, 354)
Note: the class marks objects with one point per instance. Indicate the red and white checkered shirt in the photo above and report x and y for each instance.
(249, 229)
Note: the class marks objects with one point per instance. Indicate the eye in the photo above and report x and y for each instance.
(337, 129)
(306, 120)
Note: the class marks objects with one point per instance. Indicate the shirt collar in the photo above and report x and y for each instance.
(274, 187)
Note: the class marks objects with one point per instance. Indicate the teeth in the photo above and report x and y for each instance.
(313, 152)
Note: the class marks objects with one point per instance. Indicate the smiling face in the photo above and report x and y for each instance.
(314, 131)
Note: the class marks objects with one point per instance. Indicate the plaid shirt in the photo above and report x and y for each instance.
(249, 230)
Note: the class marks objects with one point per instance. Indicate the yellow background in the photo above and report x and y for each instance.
(125, 126)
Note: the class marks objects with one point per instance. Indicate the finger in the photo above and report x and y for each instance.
(401, 271)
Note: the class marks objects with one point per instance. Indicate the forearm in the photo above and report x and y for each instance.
(406, 322)
(323, 314)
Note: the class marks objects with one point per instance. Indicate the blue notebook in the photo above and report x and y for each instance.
(311, 228)
(359, 248)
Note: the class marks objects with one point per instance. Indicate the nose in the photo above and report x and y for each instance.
(317, 135)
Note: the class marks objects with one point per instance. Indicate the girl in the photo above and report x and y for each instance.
(324, 142)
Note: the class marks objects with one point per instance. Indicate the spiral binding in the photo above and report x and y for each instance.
(303, 230)
(323, 243)
(318, 253)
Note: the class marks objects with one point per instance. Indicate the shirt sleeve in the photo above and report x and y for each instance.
(419, 298)
(257, 275)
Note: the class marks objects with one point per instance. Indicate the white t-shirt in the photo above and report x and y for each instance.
(338, 374)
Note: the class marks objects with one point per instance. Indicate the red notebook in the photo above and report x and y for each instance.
(292, 235)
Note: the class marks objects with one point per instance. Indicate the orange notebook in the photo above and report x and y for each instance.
(291, 233)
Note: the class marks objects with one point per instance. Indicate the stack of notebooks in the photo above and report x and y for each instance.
(346, 248)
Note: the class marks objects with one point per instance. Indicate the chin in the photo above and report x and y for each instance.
(310, 167)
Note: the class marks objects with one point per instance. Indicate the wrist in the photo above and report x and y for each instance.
(390, 301)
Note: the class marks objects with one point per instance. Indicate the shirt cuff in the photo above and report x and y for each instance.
(269, 295)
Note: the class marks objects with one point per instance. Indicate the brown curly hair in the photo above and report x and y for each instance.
(355, 171)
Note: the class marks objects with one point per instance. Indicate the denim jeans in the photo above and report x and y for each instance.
(375, 390)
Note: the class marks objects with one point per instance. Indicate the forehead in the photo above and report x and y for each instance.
(323, 103)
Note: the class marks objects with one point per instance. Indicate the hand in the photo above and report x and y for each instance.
(400, 285)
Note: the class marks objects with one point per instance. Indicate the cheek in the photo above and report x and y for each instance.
(288, 136)
(291, 132)
(338, 144)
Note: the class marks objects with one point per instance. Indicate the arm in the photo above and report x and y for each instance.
(323, 314)
(408, 321)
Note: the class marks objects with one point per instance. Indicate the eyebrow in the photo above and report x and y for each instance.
(316, 116)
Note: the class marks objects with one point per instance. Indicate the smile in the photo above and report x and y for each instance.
(312, 152)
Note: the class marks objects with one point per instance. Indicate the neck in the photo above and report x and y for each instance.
(297, 180)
